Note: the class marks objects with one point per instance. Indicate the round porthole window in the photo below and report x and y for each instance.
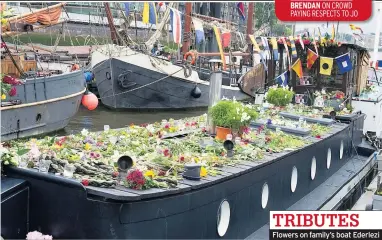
(313, 168)
(224, 214)
(342, 149)
(329, 158)
(264, 195)
(293, 180)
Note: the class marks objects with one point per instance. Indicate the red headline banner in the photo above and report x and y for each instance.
(323, 10)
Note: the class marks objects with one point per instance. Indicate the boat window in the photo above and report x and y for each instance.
(313, 168)
(293, 180)
(342, 149)
(224, 215)
(329, 158)
(264, 195)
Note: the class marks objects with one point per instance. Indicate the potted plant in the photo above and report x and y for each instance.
(279, 96)
(231, 116)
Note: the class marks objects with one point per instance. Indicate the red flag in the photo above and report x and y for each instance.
(311, 57)
(226, 39)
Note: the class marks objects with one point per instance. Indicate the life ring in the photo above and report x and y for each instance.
(193, 57)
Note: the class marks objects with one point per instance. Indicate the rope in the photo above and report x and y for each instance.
(163, 78)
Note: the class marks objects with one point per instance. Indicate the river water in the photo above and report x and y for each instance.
(96, 119)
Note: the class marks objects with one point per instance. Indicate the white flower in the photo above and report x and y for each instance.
(224, 98)
(84, 132)
(234, 99)
(150, 128)
(323, 92)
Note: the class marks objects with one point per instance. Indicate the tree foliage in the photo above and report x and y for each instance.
(265, 17)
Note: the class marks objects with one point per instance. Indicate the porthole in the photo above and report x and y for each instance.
(342, 149)
(313, 168)
(224, 215)
(329, 158)
(293, 180)
(264, 195)
(38, 117)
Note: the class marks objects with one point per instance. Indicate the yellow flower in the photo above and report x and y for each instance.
(56, 146)
(149, 173)
(3, 21)
(3, 96)
(196, 160)
(203, 172)
(87, 146)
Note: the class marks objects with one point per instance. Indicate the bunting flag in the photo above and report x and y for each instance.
(311, 57)
(333, 32)
(301, 41)
(149, 14)
(226, 38)
(162, 6)
(219, 42)
(297, 67)
(286, 49)
(264, 40)
(326, 65)
(344, 63)
(199, 31)
(275, 49)
(314, 41)
(127, 8)
(263, 61)
(240, 9)
(379, 64)
(176, 25)
(254, 42)
(293, 47)
(283, 79)
(353, 27)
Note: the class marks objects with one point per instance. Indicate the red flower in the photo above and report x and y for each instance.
(115, 174)
(85, 182)
(166, 152)
(193, 124)
(187, 124)
(222, 154)
(167, 126)
(318, 136)
(181, 159)
(3, 45)
(12, 92)
(161, 173)
(136, 179)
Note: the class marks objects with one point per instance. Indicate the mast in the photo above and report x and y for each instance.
(377, 34)
(187, 28)
(113, 30)
(251, 7)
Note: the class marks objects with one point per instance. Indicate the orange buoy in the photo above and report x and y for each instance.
(75, 67)
(90, 101)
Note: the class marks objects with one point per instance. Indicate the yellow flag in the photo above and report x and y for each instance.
(255, 45)
(326, 65)
(297, 67)
(146, 12)
(219, 42)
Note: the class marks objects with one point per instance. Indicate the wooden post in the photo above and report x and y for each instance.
(109, 16)
(187, 28)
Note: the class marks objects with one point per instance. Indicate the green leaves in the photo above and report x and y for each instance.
(279, 96)
(21, 152)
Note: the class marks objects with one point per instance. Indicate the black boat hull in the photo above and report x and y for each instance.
(143, 88)
(66, 209)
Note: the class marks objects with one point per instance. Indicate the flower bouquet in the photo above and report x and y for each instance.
(279, 96)
(229, 116)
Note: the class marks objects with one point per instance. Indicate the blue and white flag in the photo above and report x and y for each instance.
(127, 8)
(264, 40)
(344, 63)
(199, 31)
(282, 79)
(263, 61)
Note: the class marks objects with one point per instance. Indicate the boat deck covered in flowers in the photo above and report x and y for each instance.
(268, 169)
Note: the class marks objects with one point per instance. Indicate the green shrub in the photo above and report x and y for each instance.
(232, 114)
(279, 96)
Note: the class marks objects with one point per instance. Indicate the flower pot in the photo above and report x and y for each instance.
(221, 133)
